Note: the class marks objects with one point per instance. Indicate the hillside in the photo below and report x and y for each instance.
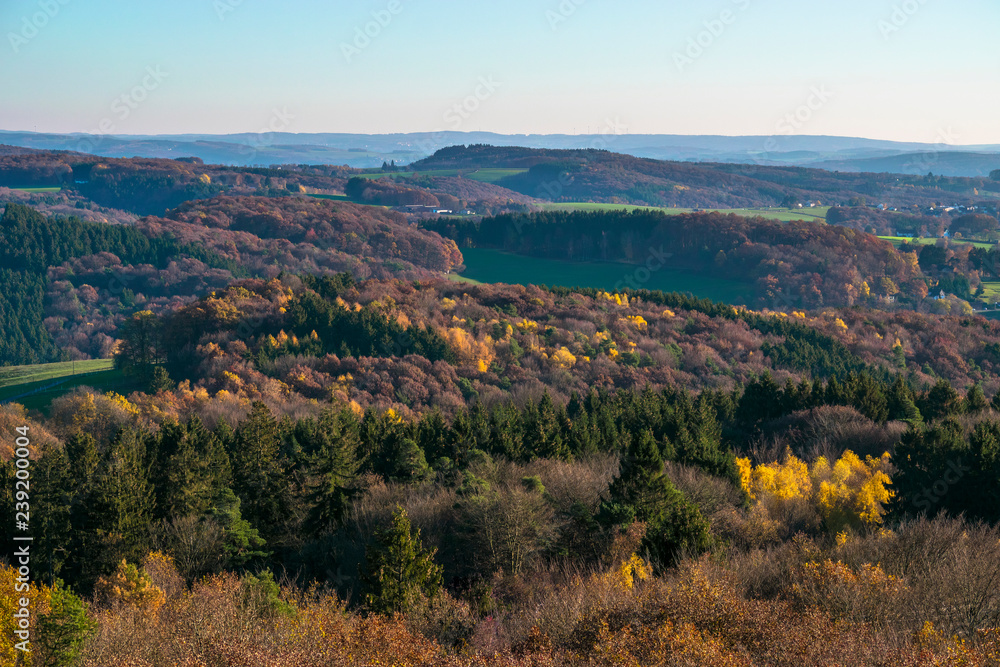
(601, 176)
(789, 265)
(68, 283)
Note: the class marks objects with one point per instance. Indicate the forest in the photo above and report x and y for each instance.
(318, 456)
(604, 176)
(790, 265)
(68, 284)
(330, 452)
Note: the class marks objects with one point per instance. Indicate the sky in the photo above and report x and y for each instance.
(905, 70)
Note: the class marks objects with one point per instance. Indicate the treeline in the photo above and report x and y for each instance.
(603, 176)
(30, 244)
(277, 492)
(796, 264)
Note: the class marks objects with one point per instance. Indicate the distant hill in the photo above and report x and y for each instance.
(602, 176)
(943, 163)
(366, 150)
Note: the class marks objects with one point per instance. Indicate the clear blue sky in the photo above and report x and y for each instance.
(227, 65)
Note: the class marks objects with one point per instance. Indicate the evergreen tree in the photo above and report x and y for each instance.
(258, 470)
(400, 571)
(642, 492)
(941, 401)
(975, 400)
(332, 446)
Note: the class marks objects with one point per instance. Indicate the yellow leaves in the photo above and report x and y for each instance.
(470, 350)
(483, 366)
(232, 378)
(840, 323)
(619, 299)
(866, 289)
(798, 314)
(668, 313)
(11, 592)
(131, 586)
(205, 179)
(639, 322)
(849, 494)
(119, 401)
(746, 476)
(781, 481)
(563, 358)
(527, 326)
(628, 573)
(392, 417)
(448, 304)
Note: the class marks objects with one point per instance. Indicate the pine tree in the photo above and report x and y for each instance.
(258, 471)
(941, 401)
(975, 400)
(400, 571)
(333, 465)
(642, 492)
(119, 509)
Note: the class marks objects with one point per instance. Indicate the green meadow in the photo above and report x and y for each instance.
(494, 266)
(36, 386)
(779, 214)
(11, 376)
(36, 190)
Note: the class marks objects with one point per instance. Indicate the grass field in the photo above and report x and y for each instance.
(991, 291)
(494, 266)
(53, 189)
(35, 387)
(780, 214)
(482, 175)
(900, 240)
(11, 376)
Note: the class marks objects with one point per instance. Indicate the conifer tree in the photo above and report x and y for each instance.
(400, 571)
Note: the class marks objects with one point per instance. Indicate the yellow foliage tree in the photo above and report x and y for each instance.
(130, 585)
(850, 494)
(563, 358)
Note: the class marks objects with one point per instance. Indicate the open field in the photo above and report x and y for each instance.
(11, 376)
(52, 189)
(900, 240)
(494, 266)
(482, 175)
(780, 214)
(39, 394)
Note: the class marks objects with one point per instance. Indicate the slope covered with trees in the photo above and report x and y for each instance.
(791, 265)
(603, 176)
(70, 283)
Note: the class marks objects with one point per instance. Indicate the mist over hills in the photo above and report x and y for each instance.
(365, 150)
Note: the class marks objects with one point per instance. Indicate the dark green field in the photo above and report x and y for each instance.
(494, 266)
(35, 387)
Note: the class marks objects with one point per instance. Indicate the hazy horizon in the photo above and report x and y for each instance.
(909, 71)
